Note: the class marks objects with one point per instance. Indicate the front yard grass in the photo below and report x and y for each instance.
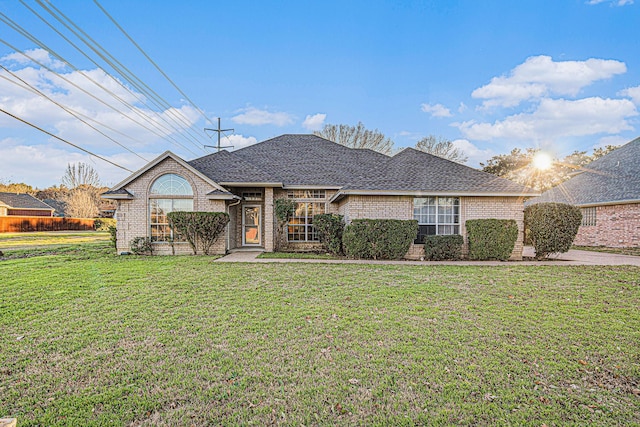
(90, 338)
(49, 238)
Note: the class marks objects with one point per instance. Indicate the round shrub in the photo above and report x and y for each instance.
(491, 238)
(379, 238)
(551, 227)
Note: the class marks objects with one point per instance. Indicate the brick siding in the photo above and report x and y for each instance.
(617, 226)
(133, 215)
(401, 207)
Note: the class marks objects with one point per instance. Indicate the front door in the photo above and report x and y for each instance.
(251, 225)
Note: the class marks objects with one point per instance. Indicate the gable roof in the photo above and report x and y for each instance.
(415, 171)
(119, 192)
(613, 178)
(23, 201)
(309, 160)
(299, 161)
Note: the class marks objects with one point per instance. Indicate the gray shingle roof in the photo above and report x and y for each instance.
(413, 170)
(612, 178)
(229, 167)
(309, 160)
(23, 201)
(119, 191)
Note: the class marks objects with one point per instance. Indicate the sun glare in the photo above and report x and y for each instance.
(542, 161)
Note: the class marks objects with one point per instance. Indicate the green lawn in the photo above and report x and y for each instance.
(89, 338)
(49, 238)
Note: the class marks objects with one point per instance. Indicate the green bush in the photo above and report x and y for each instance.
(141, 246)
(199, 228)
(491, 238)
(551, 227)
(379, 238)
(330, 228)
(440, 248)
(103, 224)
(113, 239)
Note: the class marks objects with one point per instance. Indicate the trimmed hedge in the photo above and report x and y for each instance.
(491, 238)
(552, 227)
(441, 248)
(330, 228)
(199, 227)
(379, 238)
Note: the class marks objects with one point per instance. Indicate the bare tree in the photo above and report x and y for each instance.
(357, 137)
(441, 147)
(79, 175)
(83, 196)
(82, 202)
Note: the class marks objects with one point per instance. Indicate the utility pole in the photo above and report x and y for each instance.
(219, 131)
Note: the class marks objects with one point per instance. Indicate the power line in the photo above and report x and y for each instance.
(113, 62)
(38, 92)
(65, 141)
(152, 61)
(92, 95)
(166, 105)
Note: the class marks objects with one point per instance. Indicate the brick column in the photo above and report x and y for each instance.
(268, 220)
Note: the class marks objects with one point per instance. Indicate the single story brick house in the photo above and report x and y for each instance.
(608, 192)
(321, 177)
(22, 204)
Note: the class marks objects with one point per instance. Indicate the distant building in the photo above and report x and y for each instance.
(21, 204)
(608, 193)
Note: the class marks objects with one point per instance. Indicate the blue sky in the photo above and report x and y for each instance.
(561, 75)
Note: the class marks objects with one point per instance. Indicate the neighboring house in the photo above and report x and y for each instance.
(607, 191)
(322, 177)
(21, 204)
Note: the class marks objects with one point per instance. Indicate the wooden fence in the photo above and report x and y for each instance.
(16, 224)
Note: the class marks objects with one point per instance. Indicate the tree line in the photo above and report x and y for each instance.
(77, 196)
(515, 166)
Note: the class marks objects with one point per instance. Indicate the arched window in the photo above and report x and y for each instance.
(169, 193)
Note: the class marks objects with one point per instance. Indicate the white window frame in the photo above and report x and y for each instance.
(442, 227)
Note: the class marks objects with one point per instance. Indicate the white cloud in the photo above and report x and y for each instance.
(540, 76)
(39, 55)
(436, 110)
(314, 122)
(633, 93)
(239, 141)
(558, 118)
(613, 2)
(255, 117)
(462, 107)
(44, 165)
(475, 154)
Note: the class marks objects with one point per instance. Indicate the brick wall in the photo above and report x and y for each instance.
(401, 207)
(617, 226)
(133, 215)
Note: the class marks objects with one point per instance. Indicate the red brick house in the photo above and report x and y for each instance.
(21, 204)
(608, 193)
(321, 177)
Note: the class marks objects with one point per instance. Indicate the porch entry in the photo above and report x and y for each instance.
(251, 229)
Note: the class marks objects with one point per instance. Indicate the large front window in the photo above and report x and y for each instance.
(436, 215)
(169, 193)
(300, 227)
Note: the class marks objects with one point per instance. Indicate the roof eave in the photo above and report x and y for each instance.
(420, 193)
(251, 184)
(117, 196)
(610, 203)
(223, 197)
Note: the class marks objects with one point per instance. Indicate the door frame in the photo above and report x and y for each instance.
(242, 227)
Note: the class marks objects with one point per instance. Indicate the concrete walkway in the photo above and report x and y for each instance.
(573, 257)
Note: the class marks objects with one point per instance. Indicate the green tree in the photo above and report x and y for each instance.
(517, 166)
(357, 137)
